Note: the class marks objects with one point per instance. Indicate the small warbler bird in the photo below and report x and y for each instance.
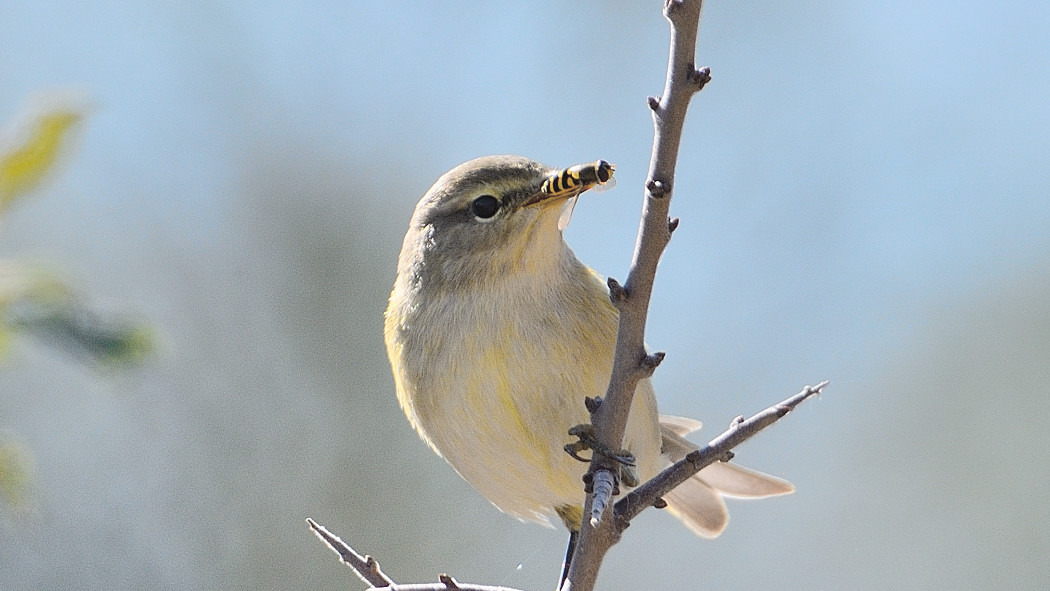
(496, 333)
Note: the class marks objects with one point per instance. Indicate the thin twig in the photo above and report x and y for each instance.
(368, 569)
(442, 587)
(629, 364)
(719, 449)
(365, 567)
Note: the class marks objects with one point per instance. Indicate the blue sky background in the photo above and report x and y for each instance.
(863, 191)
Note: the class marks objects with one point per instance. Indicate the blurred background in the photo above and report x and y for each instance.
(863, 191)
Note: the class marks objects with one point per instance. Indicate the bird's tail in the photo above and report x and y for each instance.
(698, 502)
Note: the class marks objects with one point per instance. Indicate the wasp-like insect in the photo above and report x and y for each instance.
(574, 180)
(579, 178)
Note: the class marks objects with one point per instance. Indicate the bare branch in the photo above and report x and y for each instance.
(443, 587)
(368, 569)
(610, 420)
(719, 449)
(365, 567)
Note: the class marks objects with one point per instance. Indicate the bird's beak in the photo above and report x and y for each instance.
(544, 199)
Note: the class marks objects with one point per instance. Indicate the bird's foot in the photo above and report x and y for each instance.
(587, 440)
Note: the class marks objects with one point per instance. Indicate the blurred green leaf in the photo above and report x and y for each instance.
(68, 324)
(36, 301)
(15, 472)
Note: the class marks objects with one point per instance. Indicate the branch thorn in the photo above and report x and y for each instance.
(653, 102)
(671, 5)
(650, 362)
(657, 189)
(617, 292)
(364, 567)
(592, 404)
(699, 77)
(672, 225)
(448, 581)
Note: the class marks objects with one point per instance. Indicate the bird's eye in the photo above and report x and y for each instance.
(484, 207)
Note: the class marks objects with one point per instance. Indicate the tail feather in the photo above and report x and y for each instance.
(680, 425)
(699, 507)
(736, 481)
(698, 502)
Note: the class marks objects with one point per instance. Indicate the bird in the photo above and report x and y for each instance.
(496, 333)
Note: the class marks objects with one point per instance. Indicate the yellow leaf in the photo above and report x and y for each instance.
(33, 148)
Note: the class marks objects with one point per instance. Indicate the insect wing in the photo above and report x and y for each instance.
(603, 187)
(566, 213)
